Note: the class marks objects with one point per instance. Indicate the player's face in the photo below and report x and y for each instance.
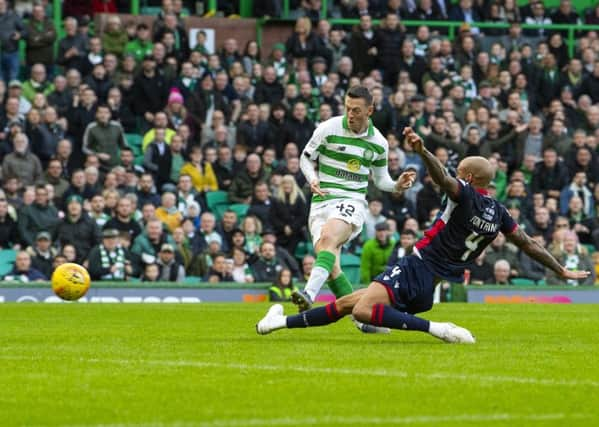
(357, 112)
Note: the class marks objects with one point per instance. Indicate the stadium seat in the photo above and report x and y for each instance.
(590, 247)
(350, 264)
(214, 198)
(218, 202)
(7, 259)
(303, 249)
(240, 209)
(192, 280)
(134, 141)
(521, 281)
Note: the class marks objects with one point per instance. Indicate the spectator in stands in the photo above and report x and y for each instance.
(529, 268)
(77, 228)
(39, 216)
(542, 222)
(288, 214)
(500, 249)
(403, 247)
(372, 217)
(170, 269)
(158, 158)
(375, 253)
(78, 187)
(481, 271)
(241, 270)
(574, 257)
(501, 273)
(23, 271)
(282, 288)
(201, 172)
(151, 273)
(42, 253)
(141, 45)
(54, 177)
(267, 266)
(104, 137)
(123, 221)
(252, 132)
(9, 235)
(72, 48)
(243, 183)
(168, 213)
(550, 176)
(148, 243)
(40, 38)
(150, 91)
(220, 271)
(11, 31)
(261, 204)
(109, 260)
(145, 192)
(268, 90)
(22, 163)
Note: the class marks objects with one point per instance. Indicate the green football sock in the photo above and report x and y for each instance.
(320, 273)
(340, 285)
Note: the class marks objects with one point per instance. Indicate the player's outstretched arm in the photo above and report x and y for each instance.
(435, 168)
(540, 254)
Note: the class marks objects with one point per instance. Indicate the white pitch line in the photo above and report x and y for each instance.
(484, 379)
(359, 420)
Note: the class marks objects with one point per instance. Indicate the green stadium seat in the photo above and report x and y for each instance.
(350, 264)
(150, 10)
(218, 202)
(590, 247)
(303, 249)
(7, 259)
(240, 209)
(192, 280)
(134, 140)
(214, 198)
(521, 281)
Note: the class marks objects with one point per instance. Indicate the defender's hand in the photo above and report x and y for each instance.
(315, 188)
(414, 140)
(405, 181)
(574, 275)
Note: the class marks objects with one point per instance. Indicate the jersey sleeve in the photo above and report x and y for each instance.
(316, 141)
(508, 225)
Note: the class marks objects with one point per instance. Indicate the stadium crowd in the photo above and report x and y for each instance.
(141, 158)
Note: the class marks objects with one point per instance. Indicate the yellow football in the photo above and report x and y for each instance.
(70, 281)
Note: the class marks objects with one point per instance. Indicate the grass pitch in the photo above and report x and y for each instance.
(163, 365)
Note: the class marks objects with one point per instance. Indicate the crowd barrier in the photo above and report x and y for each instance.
(169, 292)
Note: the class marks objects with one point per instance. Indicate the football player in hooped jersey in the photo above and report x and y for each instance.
(337, 161)
(469, 223)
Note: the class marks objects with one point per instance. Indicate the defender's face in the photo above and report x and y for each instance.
(357, 113)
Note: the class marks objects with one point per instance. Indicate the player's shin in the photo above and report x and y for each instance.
(320, 273)
(318, 316)
(340, 285)
(385, 315)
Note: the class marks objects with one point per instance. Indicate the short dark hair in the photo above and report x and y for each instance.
(360, 92)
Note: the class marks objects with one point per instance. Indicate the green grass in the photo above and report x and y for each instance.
(204, 365)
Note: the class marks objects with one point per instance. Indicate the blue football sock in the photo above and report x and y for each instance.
(318, 316)
(385, 315)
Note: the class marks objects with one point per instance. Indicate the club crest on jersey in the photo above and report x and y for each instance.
(489, 214)
(368, 154)
(353, 165)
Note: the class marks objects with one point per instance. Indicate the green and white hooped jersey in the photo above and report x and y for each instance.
(345, 158)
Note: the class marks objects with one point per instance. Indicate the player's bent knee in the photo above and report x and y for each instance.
(362, 312)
